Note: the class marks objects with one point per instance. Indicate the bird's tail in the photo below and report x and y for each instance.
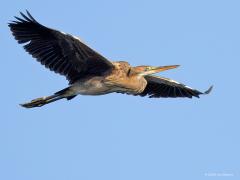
(48, 99)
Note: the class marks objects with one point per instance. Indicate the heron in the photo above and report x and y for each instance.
(88, 72)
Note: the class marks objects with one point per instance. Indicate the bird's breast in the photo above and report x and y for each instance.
(126, 84)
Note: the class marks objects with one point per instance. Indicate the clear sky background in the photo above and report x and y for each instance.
(120, 137)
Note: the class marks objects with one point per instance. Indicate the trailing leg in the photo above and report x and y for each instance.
(49, 99)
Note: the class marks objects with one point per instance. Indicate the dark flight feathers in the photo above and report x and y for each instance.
(164, 87)
(59, 52)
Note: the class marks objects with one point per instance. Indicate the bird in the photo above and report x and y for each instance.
(87, 71)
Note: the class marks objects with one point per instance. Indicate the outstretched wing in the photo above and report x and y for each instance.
(163, 87)
(57, 51)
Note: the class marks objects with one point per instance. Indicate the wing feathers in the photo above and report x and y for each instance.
(163, 87)
(60, 52)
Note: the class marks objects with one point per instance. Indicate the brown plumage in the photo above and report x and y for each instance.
(88, 72)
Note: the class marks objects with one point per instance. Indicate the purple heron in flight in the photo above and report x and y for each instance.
(88, 72)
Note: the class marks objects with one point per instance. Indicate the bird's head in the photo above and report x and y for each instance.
(147, 70)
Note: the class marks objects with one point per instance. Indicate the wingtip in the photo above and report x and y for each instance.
(209, 90)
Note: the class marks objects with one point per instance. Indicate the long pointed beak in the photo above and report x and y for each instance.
(154, 70)
(164, 68)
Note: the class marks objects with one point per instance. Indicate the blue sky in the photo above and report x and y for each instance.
(116, 137)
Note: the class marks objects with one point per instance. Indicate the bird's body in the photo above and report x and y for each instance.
(88, 72)
(90, 86)
(118, 80)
